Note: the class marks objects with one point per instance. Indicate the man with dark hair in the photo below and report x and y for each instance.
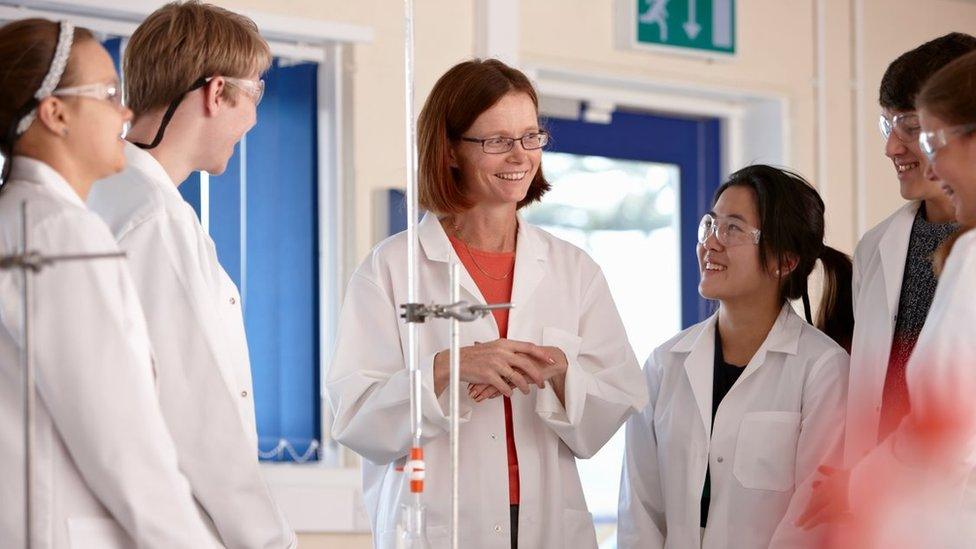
(893, 278)
(894, 282)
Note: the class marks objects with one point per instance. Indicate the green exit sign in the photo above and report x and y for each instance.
(705, 27)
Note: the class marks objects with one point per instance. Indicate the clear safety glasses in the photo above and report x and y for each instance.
(729, 231)
(254, 88)
(103, 92)
(905, 127)
(932, 141)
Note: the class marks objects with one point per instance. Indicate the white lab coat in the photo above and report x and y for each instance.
(776, 425)
(940, 374)
(105, 468)
(561, 299)
(879, 266)
(197, 329)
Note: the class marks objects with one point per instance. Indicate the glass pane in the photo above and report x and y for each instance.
(624, 213)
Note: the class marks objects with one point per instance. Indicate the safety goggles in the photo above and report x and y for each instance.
(905, 126)
(101, 91)
(729, 231)
(931, 142)
(254, 88)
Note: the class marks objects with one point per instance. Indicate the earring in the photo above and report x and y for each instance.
(64, 132)
(777, 272)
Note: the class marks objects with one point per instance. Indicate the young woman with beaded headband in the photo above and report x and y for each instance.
(104, 461)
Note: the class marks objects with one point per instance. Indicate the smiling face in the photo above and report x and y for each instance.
(499, 179)
(734, 272)
(908, 161)
(953, 168)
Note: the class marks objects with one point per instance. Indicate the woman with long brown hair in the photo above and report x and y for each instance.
(104, 469)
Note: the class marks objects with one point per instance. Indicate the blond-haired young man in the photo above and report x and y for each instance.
(192, 77)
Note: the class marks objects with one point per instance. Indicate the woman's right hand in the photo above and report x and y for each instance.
(495, 363)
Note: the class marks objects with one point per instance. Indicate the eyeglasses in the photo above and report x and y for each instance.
(501, 145)
(905, 127)
(254, 88)
(932, 141)
(100, 91)
(729, 231)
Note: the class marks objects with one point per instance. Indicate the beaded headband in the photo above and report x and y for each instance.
(54, 73)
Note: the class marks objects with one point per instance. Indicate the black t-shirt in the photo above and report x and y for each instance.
(723, 378)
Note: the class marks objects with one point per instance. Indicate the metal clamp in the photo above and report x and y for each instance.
(30, 263)
(460, 310)
(34, 261)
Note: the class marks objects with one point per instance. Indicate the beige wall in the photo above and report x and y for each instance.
(777, 49)
(776, 54)
(776, 45)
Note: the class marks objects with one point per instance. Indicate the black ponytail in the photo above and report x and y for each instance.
(836, 315)
(791, 214)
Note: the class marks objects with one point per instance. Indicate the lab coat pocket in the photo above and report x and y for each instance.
(578, 530)
(96, 533)
(567, 342)
(765, 451)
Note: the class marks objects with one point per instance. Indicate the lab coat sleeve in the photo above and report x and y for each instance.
(820, 442)
(603, 380)
(368, 384)
(859, 254)
(99, 390)
(640, 521)
(215, 452)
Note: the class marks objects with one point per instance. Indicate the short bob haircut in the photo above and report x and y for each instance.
(457, 100)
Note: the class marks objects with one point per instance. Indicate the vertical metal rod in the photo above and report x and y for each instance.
(28, 362)
(455, 388)
(416, 414)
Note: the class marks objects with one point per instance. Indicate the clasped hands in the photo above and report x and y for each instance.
(501, 366)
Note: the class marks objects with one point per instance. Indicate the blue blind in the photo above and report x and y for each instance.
(264, 221)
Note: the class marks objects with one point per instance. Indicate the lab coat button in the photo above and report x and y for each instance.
(244, 393)
(720, 459)
(497, 529)
(233, 300)
(493, 436)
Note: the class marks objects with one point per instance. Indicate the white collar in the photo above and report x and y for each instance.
(28, 169)
(146, 163)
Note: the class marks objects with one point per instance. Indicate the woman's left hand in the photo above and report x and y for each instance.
(553, 373)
